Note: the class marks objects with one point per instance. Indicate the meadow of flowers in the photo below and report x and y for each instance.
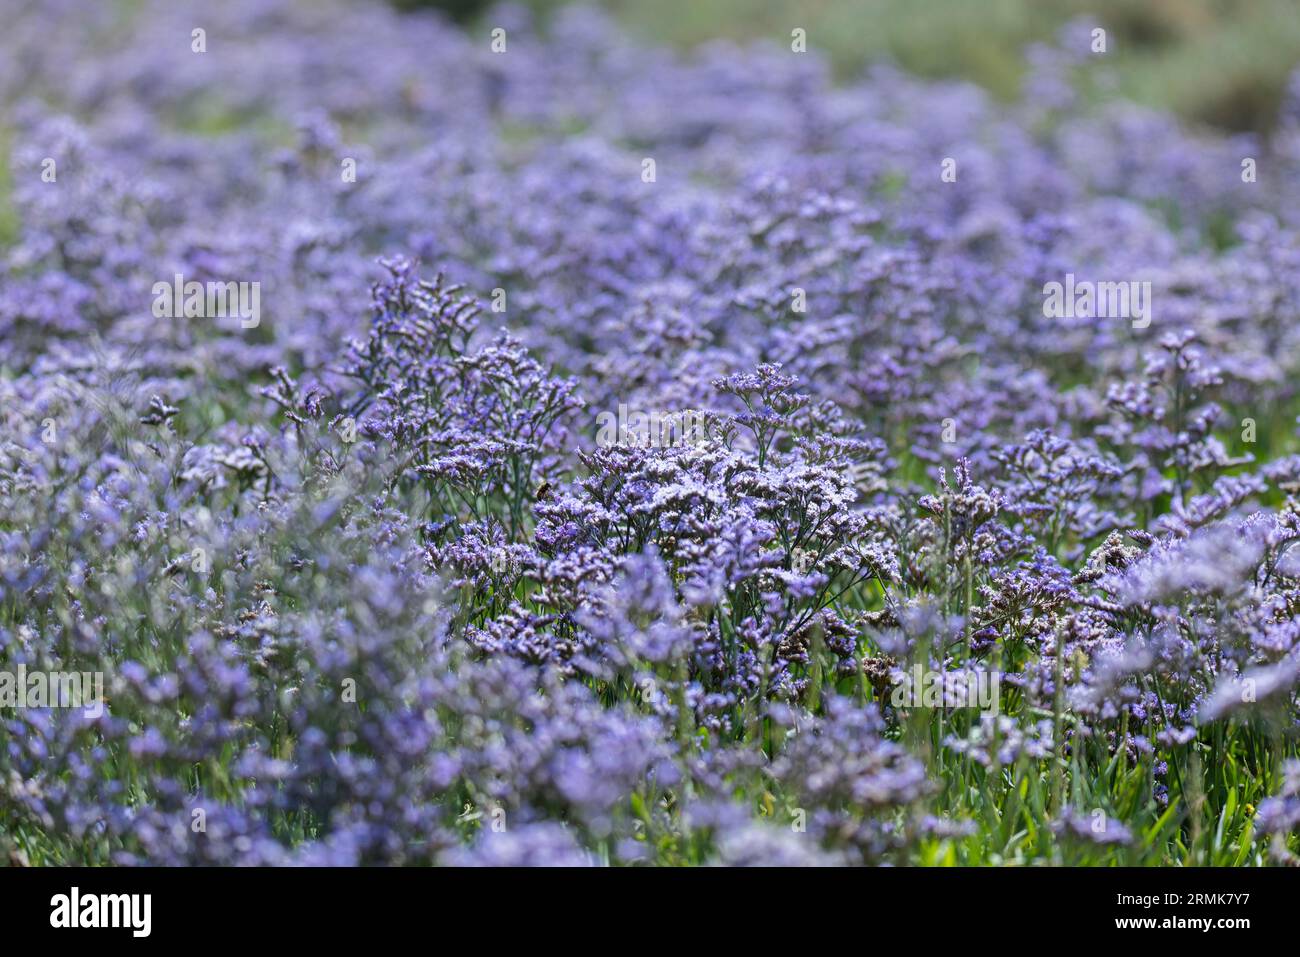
(391, 570)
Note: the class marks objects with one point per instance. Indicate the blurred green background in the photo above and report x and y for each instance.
(1219, 62)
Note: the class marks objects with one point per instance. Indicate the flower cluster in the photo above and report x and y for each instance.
(367, 588)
